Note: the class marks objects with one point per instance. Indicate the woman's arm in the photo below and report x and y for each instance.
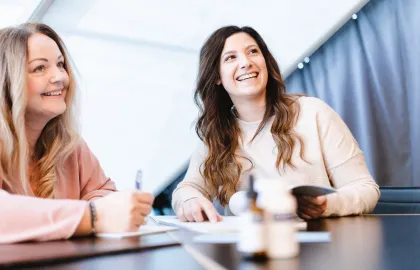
(25, 218)
(357, 192)
(193, 184)
(85, 224)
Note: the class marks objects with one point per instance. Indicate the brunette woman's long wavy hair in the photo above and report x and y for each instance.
(217, 126)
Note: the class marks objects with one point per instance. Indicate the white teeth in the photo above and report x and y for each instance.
(247, 76)
(55, 93)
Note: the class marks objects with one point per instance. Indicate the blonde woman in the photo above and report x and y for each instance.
(249, 123)
(51, 185)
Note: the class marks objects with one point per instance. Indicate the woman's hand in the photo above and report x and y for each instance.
(311, 207)
(122, 211)
(197, 210)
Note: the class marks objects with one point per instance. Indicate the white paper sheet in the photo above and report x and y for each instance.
(229, 238)
(228, 224)
(143, 230)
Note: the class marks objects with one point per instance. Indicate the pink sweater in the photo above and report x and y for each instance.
(25, 218)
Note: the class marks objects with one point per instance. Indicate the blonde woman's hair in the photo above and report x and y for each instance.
(60, 136)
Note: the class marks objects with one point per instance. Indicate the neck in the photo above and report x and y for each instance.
(33, 131)
(250, 110)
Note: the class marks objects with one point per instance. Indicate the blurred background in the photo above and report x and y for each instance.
(138, 63)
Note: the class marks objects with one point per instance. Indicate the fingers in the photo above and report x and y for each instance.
(306, 204)
(143, 209)
(187, 211)
(304, 216)
(320, 200)
(308, 213)
(196, 210)
(210, 211)
(144, 197)
(311, 207)
(136, 220)
(180, 214)
(313, 213)
(313, 202)
(139, 214)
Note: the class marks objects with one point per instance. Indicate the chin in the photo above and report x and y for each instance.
(57, 112)
(250, 92)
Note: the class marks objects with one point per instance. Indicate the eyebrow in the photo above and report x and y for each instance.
(247, 47)
(45, 59)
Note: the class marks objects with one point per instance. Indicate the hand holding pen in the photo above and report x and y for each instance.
(123, 211)
(139, 185)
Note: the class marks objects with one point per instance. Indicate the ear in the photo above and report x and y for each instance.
(218, 82)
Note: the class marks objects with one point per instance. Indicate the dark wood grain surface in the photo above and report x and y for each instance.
(42, 253)
(363, 242)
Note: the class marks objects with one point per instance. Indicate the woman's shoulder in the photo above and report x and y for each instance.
(311, 107)
(81, 156)
(83, 149)
(313, 110)
(309, 103)
(80, 149)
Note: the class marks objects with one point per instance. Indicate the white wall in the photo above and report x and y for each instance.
(17, 11)
(138, 61)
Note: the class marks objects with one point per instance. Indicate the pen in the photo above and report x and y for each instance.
(139, 182)
(139, 177)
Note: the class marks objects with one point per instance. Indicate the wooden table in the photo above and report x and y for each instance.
(363, 242)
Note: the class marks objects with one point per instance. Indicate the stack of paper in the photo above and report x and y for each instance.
(232, 238)
(228, 224)
(143, 230)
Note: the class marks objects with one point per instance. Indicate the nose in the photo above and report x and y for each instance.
(245, 63)
(57, 75)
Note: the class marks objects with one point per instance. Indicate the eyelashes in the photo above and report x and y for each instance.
(42, 68)
(231, 57)
(254, 50)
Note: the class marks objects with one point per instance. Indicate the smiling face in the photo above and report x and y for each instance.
(47, 80)
(242, 69)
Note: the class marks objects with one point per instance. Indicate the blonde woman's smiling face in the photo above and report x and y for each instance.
(47, 80)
